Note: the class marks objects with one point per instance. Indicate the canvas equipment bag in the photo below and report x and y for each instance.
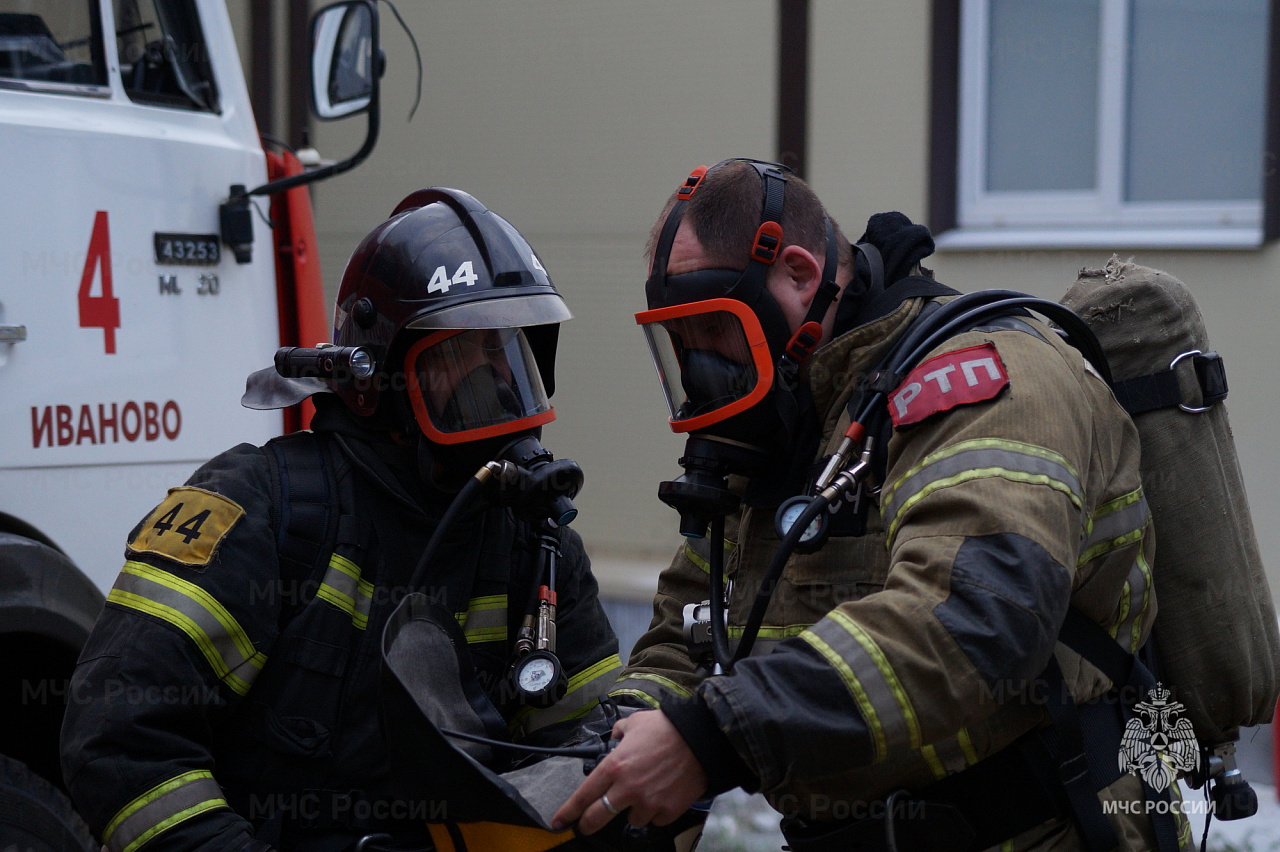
(1215, 634)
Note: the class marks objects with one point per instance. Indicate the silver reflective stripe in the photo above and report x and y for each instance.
(979, 459)
(195, 612)
(161, 808)
(664, 684)
(769, 636)
(1114, 525)
(698, 551)
(870, 677)
(585, 689)
(344, 587)
(1134, 603)
(485, 619)
(635, 693)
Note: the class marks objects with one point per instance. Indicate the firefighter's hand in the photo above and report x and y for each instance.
(651, 772)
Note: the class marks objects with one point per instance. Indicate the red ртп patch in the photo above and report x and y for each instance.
(940, 384)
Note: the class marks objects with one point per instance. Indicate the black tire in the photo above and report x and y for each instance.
(36, 816)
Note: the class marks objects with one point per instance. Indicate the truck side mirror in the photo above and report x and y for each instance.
(345, 59)
(346, 62)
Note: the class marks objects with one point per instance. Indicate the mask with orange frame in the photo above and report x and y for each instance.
(474, 384)
(725, 356)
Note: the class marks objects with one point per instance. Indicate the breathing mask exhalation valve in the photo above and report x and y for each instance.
(537, 484)
(702, 492)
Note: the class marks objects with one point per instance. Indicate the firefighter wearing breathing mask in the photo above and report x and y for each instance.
(886, 687)
(228, 695)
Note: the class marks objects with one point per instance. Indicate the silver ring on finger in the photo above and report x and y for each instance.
(608, 805)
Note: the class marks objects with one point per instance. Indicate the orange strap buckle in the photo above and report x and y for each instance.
(802, 343)
(690, 186)
(767, 242)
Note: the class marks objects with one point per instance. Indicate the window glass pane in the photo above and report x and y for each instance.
(1042, 97)
(52, 41)
(163, 58)
(1196, 100)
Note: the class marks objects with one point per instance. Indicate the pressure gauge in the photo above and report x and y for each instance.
(790, 511)
(539, 679)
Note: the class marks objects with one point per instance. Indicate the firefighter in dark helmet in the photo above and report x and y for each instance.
(228, 697)
(903, 665)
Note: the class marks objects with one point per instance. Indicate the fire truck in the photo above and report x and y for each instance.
(152, 255)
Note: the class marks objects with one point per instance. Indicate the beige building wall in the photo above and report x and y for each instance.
(575, 119)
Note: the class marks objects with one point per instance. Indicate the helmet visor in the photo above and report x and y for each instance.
(712, 360)
(466, 385)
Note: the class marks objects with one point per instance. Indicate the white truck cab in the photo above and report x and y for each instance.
(140, 283)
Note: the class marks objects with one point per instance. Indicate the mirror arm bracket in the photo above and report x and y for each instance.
(235, 220)
(282, 184)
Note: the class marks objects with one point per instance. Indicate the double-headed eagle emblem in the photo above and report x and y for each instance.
(1159, 743)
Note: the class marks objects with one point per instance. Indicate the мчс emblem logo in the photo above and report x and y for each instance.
(1159, 742)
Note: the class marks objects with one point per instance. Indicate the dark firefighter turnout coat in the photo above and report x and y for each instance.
(890, 660)
(218, 696)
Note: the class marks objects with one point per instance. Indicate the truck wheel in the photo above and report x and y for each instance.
(36, 815)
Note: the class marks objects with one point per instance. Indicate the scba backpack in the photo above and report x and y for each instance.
(1215, 635)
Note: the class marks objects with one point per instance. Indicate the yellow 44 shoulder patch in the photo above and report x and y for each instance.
(187, 526)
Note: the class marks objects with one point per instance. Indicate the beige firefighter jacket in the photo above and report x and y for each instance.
(890, 660)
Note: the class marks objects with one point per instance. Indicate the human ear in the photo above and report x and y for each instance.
(801, 272)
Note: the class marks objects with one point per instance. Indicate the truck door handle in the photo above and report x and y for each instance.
(12, 333)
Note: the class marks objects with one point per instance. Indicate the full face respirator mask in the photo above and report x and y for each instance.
(727, 361)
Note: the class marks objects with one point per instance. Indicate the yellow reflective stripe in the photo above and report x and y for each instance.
(693, 557)
(886, 671)
(220, 638)
(344, 602)
(1112, 506)
(1016, 447)
(971, 476)
(770, 631)
(930, 755)
(878, 743)
(661, 681)
(200, 596)
(485, 634)
(1136, 635)
(1104, 547)
(186, 625)
(161, 808)
(1115, 524)
(1125, 596)
(966, 746)
(982, 458)
(485, 619)
(594, 670)
(636, 693)
(701, 561)
(578, 698)
(1135, 602)
(352, 570)
(344, 587)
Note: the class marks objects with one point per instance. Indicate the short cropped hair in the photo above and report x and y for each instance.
(725, 213)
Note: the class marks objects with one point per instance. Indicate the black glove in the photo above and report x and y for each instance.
(902, 244)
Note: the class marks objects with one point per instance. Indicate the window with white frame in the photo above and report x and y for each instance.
(1110, 122)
